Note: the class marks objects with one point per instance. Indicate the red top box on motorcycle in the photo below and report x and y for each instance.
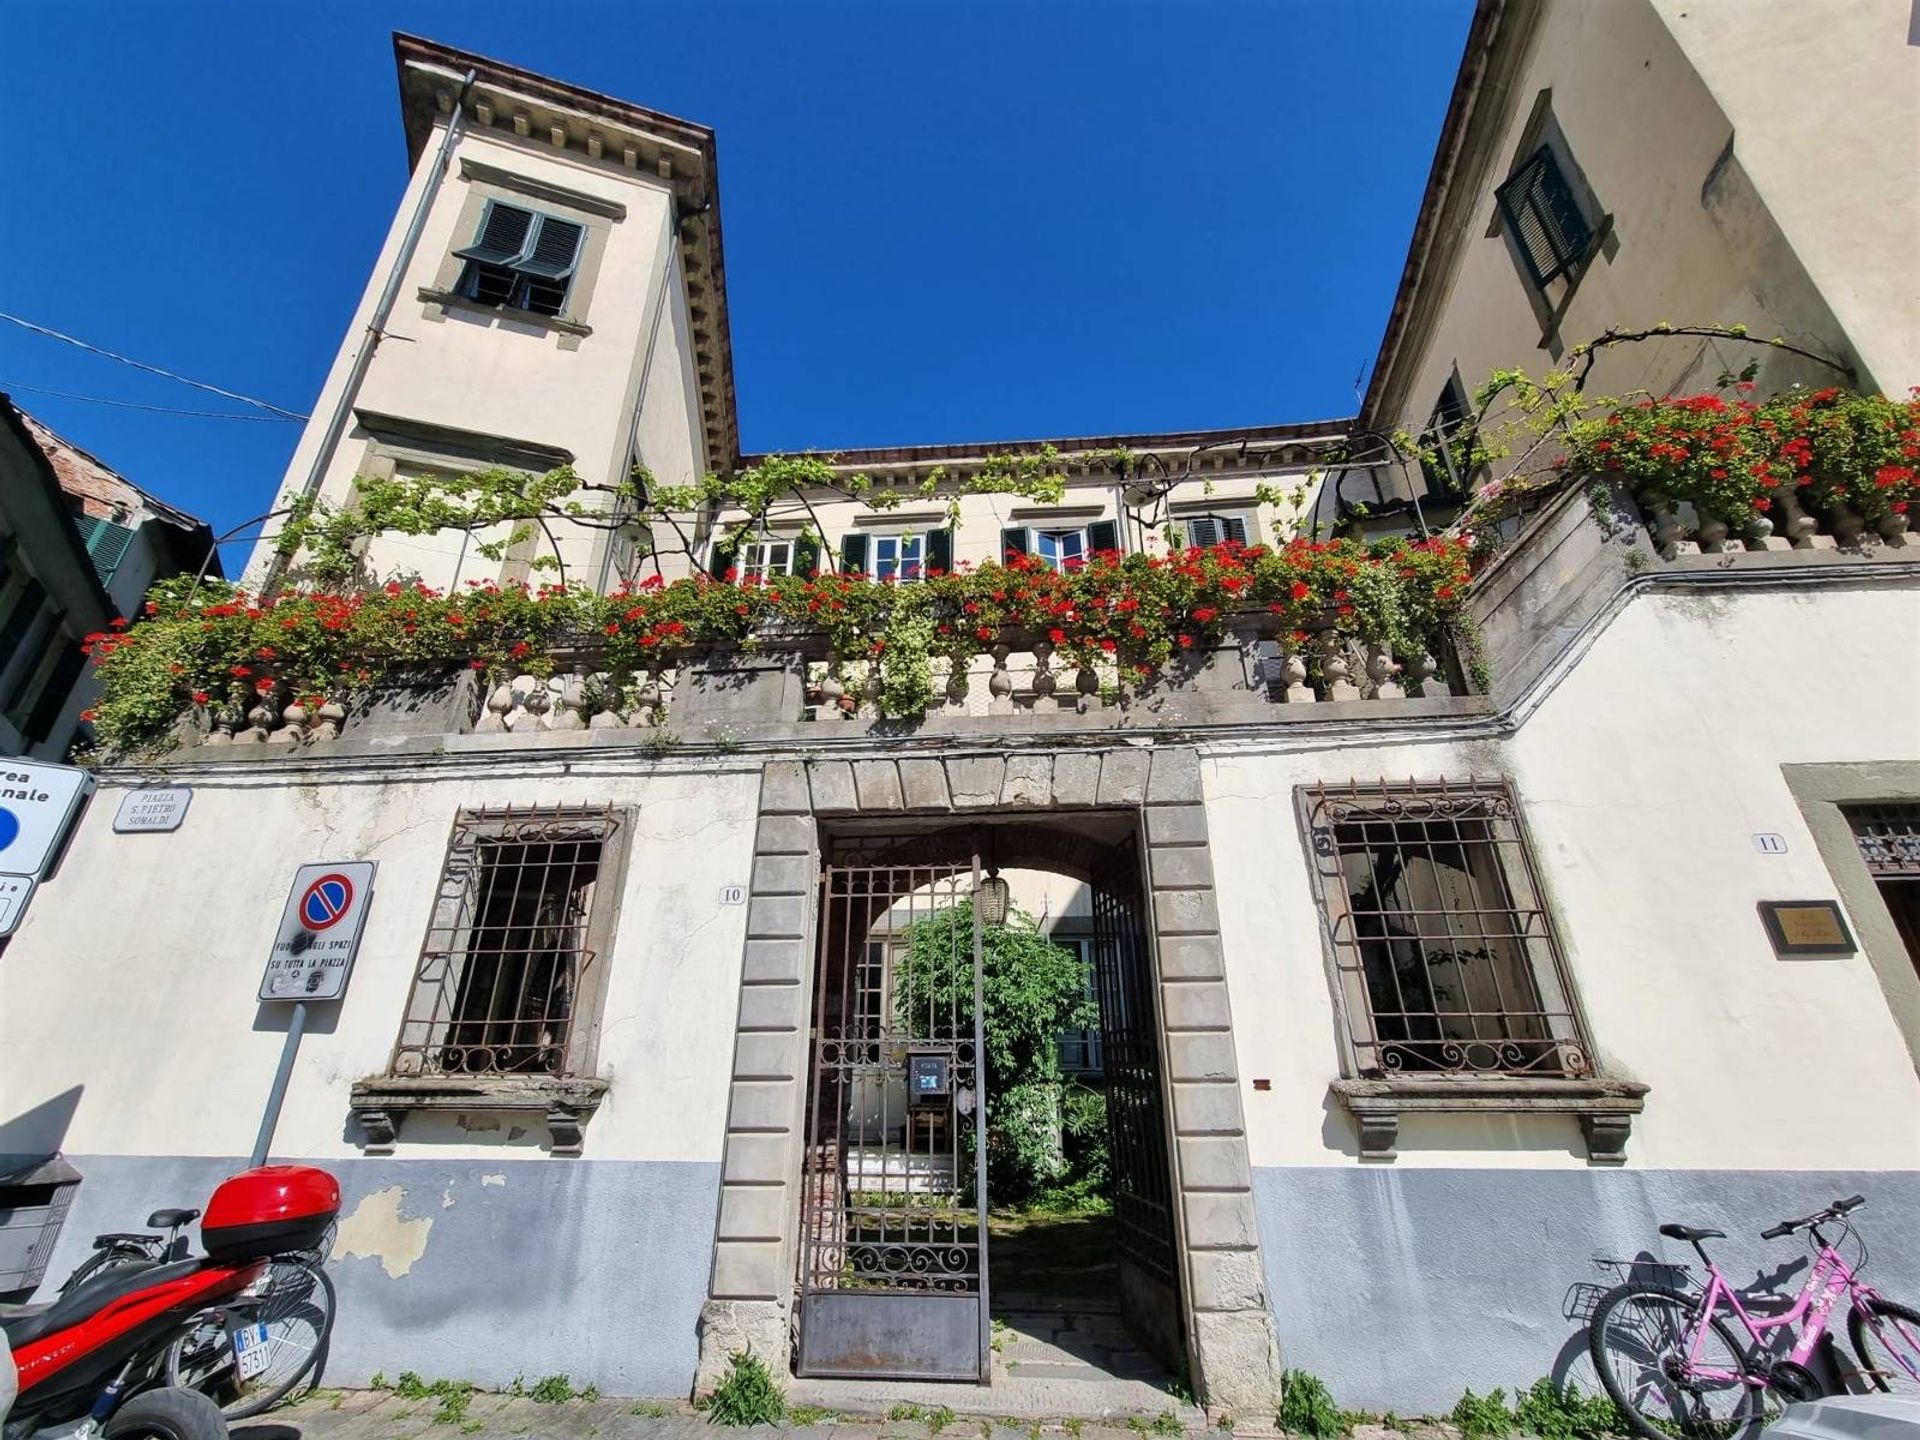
(268, 1211)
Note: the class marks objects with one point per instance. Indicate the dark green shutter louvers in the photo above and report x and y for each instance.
(853, 554)
(723, 552)
(1013, 542)
(1103, 535)
(806, 554)
(503, 235)
(555, 245)
(1546, 220)
(1236, 526)
(106, 542)
(939, 551)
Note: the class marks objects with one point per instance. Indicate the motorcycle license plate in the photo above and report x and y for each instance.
(251, 1352)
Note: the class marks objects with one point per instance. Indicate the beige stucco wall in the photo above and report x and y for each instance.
(1824, 100)
(1743, 190)
(496, 375)
(132, 979)
(1643, 778)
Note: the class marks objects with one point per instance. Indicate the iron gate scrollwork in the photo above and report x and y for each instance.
(893, 1275)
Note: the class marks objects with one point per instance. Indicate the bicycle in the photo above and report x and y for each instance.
(250, 1354)
(1675, 1366)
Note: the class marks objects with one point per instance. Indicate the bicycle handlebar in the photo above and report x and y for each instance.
(1833, 1212)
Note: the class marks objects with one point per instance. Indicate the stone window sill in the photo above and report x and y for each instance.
(381, 1103)
(559, 324)
(1605, 1107)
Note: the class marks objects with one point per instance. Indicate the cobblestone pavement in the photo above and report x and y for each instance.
(382, 1415)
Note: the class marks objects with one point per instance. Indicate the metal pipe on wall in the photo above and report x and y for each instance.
(376, 324)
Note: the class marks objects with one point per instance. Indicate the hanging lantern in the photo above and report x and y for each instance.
(991, 900)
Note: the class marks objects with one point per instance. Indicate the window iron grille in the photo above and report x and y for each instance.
(1445, 956)
(1544, 218)
(1888, 836)
(509, 954)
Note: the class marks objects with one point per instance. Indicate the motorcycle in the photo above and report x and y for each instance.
(92, 1363)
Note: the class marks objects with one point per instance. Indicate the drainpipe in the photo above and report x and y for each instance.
(376, 326)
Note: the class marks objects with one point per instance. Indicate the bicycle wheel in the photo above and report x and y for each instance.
(107, 1257)
(295, 1305)
(1886, 1337)
(1640, 1336)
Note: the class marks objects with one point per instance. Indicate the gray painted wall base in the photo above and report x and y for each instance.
(590, 1268)
(1402, 1287)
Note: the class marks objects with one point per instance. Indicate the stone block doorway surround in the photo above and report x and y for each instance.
(1230, 1328)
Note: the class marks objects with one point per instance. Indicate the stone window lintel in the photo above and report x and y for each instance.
(1605, 1107)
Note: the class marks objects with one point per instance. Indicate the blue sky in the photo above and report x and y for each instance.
(943, 221)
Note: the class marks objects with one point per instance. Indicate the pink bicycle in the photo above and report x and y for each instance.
(1675, 1366)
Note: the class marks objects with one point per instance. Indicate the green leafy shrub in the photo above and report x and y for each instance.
(1544, 1409)
(1306, 1406)
(553, 1390)
(746, 1394)
(1483, 1417)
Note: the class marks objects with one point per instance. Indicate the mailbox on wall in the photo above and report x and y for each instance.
(929, 1077)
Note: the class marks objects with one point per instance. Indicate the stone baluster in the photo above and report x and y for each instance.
(293, 725)
(650, 700)
(1290, 668)
(1713, 535)
(1044, 680)
(1668, 533)
(1335, 668)
(1892, 528)
(1381, 670)
(570, 712)
(328, 719)
(262, 717)
(227, 717)
(603, 703)
(870, 692)
(537, 702)
(499, 706)
(957, 684)
(1848, 526)
(1801, 529)
(1760, 535)
(1086, 684)
(1000, 683)
(1426, 681)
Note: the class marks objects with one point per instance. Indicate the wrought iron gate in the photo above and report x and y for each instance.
(1141, 1190)
(893, 1252)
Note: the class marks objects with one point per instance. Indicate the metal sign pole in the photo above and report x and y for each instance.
(296, 1027)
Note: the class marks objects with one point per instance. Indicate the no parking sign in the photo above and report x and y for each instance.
(319, 932)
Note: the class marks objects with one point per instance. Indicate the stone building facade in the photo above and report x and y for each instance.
(1380, 1194)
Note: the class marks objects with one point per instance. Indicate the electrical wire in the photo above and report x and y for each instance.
(271, 408)
(9, 386)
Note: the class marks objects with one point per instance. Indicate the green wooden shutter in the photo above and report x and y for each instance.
(724, 549)
(555, 245)
(853, 553)
(1103, 535)
(1236, 528)
(1013, 542)
(503, 235)
(806, 554)
(939, 551)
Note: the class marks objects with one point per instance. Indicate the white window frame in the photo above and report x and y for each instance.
(1039, 540)
(756, 559)
(900, 566)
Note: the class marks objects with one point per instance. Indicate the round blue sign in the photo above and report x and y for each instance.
(9, 828)
(326, 901)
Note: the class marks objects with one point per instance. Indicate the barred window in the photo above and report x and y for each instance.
(512, 969)
(1888, 834)
(1445, 956)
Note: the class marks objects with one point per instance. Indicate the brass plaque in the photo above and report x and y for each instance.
(1806, 927)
